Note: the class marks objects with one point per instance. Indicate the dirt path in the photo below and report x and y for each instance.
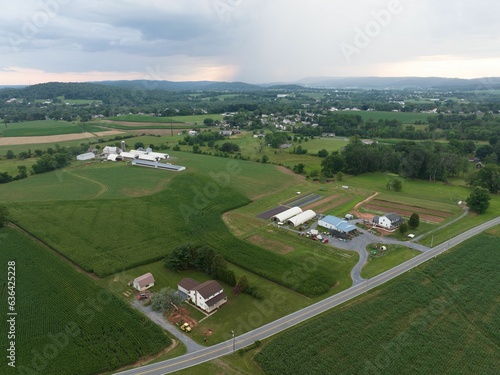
(104, 188)
(366, 200)
(10, 141)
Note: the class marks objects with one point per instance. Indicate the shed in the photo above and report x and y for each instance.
(144, 282)
(285, 215)
(302, 218)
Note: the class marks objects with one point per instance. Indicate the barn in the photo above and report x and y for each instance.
(285, 215)
(144, 282)
(302, 218)
(336, 224)
(154, 164)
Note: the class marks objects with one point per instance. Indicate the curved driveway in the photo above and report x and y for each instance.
(288, 321)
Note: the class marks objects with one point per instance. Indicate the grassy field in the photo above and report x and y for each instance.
(66, 323)
(404, 117)
(104, 236)
(166, 120)
(440, 319)
(385, 260)
(39, 128)
(10, 166)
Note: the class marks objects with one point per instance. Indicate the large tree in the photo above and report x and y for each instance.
(332, 164)
(414, 221)
(165, 300)
(479, 200)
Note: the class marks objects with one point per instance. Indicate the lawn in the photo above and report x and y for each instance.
(242, 313)
(441, 318)
(39, 128)
(385, 260)
(10, 166)
(66, 323)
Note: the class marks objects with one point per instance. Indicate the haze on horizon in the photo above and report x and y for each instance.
(255, 41)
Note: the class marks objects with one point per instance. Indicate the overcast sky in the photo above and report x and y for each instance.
(255, 41)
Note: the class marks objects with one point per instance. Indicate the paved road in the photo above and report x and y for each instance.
(219, 350)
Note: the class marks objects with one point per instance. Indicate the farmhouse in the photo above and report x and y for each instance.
(389, 221)
(284, 216)
(144, 282)
(208, 296)
(302, 218)
(336, 224)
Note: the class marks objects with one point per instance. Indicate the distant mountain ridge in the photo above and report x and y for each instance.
(105, 87)
(400, 82)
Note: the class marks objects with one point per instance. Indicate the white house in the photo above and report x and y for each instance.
(389, 221)
(207, 296)
(144, 282)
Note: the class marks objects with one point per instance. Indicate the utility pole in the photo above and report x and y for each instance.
(232, 331)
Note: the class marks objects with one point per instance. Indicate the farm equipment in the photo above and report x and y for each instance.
(186, 327)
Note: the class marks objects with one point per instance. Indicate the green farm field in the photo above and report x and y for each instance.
(441, 319)
(66, 324)
(166, 120)
(39, 128)
(104, 235)
(404, 117)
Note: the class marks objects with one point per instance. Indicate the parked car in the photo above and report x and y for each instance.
(142, 296)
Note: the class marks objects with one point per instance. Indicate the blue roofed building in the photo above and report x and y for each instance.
(336, 224)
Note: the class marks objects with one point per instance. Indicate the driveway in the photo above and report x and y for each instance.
(360, 243)
(158, 318)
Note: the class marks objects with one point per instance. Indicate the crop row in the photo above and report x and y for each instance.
(440, 319)
(67, 324)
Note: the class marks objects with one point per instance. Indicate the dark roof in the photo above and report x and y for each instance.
(208, 288)
(217, 298)
(188, 283)
(393, 217)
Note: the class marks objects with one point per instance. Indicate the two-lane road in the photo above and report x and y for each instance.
(297, 317)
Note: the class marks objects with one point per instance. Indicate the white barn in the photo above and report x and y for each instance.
(302, 218)
(144, 282)
(285, 215)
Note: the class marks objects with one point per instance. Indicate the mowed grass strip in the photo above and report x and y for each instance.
(66, 324)
(441, 318)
